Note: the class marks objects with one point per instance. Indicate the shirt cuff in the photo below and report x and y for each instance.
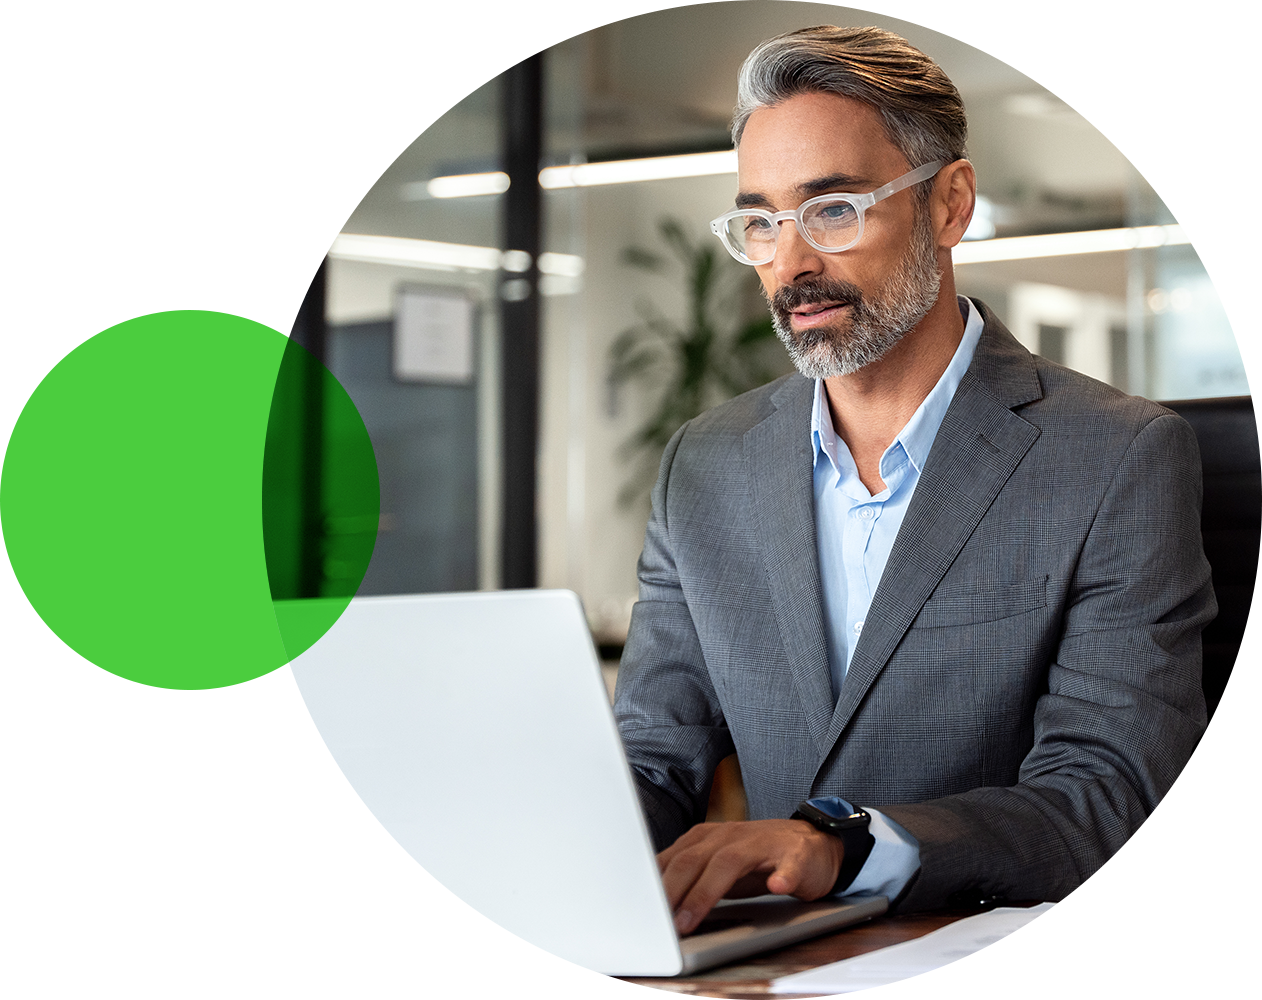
(895, 858)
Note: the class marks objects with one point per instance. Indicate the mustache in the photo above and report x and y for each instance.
(789, 297)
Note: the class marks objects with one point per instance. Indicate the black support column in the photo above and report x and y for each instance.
(522, 111)
(311, 331)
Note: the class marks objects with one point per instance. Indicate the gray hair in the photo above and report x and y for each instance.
(921, 110)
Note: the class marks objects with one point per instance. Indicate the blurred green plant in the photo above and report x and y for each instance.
(716, 352)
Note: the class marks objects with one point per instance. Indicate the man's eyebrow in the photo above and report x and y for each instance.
(841, 183)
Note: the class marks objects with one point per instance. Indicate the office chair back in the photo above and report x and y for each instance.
(1231, 523)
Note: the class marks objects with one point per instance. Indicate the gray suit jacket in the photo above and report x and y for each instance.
(1027, 684)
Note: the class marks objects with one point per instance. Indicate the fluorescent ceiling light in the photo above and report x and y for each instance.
(415, 253)
(468, 185)
(566, 265)
(653, 168)
(1063, 244)
(448, 256)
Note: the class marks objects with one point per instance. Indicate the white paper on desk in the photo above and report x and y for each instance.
(910, 958)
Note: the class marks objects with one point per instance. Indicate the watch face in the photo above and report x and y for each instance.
(834, 820)
(832, 806)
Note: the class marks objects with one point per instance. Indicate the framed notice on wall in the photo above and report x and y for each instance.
(434, 335)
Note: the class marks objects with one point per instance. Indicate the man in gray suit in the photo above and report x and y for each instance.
(943, 598)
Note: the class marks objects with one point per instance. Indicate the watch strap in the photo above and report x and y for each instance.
(857, 840)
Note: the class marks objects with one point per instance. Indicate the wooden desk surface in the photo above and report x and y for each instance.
(750, 979)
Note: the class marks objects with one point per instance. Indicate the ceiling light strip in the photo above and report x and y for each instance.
(653, 168)
(1065, 244)
(406, 252)
(468, 185)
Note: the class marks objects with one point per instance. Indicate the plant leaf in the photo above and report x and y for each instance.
(757, 331)
(688, 363)
(646, 260)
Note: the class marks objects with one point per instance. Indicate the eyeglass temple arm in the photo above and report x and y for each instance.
(907, 180)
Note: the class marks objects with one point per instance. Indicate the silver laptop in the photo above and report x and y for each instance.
(478, 730)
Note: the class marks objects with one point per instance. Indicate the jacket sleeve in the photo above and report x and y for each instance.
(668, 714)
(1123, 707)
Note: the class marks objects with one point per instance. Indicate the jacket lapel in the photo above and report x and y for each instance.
(979, 445)
(779, 461)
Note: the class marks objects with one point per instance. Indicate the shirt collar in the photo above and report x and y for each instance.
(916, 438)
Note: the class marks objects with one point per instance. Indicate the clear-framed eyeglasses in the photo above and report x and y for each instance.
(831, 222)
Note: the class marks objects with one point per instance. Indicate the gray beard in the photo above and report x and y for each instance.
(875, 324)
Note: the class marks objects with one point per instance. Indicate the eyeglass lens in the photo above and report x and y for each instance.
(833, 224)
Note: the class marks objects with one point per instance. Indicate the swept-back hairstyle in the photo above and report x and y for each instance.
(918, 104)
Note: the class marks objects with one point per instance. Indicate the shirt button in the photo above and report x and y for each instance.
(865, 513)
(858, 627)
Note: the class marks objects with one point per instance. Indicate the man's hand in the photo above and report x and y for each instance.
(713, 861)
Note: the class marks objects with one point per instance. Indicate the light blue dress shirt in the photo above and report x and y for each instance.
(854, 532)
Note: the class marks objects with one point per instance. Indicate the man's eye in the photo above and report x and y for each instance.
(756, 224)
(841, 211)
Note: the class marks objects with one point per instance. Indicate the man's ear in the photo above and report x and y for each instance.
(954, 197)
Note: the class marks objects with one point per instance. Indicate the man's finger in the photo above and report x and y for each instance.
(717, 860)
(722, 871)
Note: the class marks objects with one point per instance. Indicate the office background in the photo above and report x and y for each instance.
(1146, 319)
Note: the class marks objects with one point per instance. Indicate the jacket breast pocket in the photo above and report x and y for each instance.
(986, 602)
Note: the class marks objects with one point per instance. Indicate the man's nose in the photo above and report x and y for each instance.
(795, 258)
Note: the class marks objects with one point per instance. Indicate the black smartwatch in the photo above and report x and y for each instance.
(840, 819)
